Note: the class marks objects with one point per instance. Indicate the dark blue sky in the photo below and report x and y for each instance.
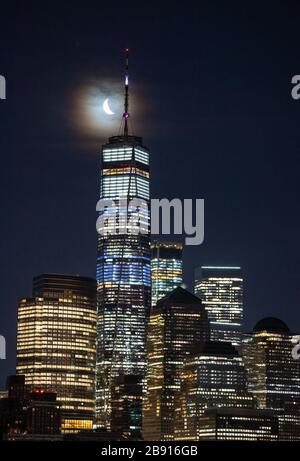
(214, 78)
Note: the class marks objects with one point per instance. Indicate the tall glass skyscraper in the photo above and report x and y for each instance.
(166, 268)
(56, 344)
(123, 264)
(221, 291)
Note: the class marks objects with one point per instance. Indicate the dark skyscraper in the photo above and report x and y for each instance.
(177, 322)
(166, 268)
(56, 344)
(273, 373)
(13, 406)
(123, 263)
(43, 413)
(127, 399)
(221, 291)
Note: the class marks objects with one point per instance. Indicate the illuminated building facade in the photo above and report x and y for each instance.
(221, 291)
(123, 268)
(56, 344)
(166, 269)
(212, 376)
(177, 322)
(273, 374)
(234, 424)
(123, 262)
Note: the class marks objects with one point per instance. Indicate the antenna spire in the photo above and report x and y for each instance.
(126, 104)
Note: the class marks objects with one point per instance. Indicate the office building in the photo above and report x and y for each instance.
(56, 344)
(273, 373)
(212, 376)
(221, 291)
(166, 268)
(43, 413)
(127, 403)
(238, 424)
(123, 263)
(13, 407)
(176, 324)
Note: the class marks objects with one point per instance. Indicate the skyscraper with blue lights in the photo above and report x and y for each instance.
(123, 264)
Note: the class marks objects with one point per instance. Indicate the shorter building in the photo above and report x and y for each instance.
(166, 268)
(13, 407)
(213, 375)
(238, 424)
(273, 373)
(28, 416)
(127, 399)
(177, 322)
(43, 413)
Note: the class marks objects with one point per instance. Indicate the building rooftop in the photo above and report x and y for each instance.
(215, 348)
(161, 244)
(123, 139)
(179, 296)
(272, 324)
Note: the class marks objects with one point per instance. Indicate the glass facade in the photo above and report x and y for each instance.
(177, 322)
(232, 424)
(127, 399)
(212, 376)
(166, 269)
(56, 344)
(123, 268)
(221, 291)
(273, 374)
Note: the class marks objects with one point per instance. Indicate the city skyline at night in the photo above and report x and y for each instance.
(149, 319)
(133, 353)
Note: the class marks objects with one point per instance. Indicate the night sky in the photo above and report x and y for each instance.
(212, 85)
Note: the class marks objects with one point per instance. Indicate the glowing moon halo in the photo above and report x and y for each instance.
(106, 108)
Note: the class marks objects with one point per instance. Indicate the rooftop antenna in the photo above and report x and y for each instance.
(126, 105)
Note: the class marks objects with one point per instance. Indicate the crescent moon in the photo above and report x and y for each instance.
(106, 108)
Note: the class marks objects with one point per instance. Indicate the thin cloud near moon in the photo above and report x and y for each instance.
(97, 106)
(92, 105)
(106, 107)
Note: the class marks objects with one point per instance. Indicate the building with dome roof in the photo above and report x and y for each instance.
(273, 374)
